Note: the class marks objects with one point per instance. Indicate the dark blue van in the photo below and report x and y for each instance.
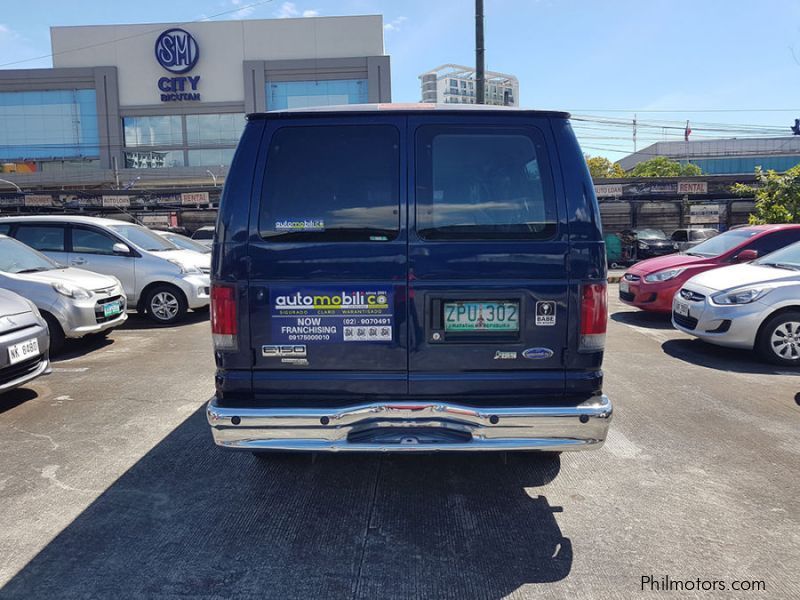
(409, 278)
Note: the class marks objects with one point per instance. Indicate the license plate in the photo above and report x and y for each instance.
(624, 286)
(23, 350)
(111, 309)
(682, 309)
(481, 316)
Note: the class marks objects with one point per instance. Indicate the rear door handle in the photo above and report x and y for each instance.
(78, 261)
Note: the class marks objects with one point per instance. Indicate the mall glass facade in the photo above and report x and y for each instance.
(282, 95)
(167, 141)
(51, 125)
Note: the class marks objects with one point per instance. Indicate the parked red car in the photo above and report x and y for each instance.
(651, 284)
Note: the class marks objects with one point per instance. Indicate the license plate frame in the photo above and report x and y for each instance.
(22, 351)
(624, 287)
(681, 308)
(481, 317)
(112, 309)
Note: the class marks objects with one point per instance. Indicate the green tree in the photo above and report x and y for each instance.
(777, 196)
(661, 166)
(602, 168)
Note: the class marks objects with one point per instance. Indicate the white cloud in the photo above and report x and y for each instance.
(289, 10)
(395, 24)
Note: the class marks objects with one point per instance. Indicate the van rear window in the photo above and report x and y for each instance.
(332, 184)
(488, 183)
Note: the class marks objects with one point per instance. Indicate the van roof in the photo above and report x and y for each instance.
(410, 107)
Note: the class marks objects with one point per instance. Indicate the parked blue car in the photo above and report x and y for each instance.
(405, 279)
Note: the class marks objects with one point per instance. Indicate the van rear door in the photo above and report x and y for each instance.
(328, 262)
(488, 280)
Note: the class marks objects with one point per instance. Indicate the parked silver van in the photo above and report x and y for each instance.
(73, 302)
(159, 278)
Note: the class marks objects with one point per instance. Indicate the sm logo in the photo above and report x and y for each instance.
(177, 50)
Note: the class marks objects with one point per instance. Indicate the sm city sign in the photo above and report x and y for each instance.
(177, 52)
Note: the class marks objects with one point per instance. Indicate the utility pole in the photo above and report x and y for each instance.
(480, 73)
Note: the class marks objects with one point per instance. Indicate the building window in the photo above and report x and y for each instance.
(154, 159)
(53, 124)
(159, 142)
(214, 129)
(153, 131)
(301, 94)
(211, 157)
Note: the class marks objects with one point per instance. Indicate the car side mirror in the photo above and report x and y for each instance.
(745, 256)
(120, 248)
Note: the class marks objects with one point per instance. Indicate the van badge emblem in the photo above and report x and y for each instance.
(537, 353)
(501, 355)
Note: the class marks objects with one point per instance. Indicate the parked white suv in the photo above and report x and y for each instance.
(159, 278)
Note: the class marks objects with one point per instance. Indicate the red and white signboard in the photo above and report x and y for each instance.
(194, 198)
(692, 187)
(119, 201)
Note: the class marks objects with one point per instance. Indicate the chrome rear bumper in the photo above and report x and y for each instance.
(412, 427)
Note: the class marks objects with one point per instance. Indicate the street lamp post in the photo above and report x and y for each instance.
(19, 189)
(213, 177)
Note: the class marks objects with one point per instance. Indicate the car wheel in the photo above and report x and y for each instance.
(165, 304)
(779, 340)
(57, 337)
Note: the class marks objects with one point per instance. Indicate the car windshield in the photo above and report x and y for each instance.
(16, 257)
(785, 258)
(181, 241)
(650, 234)
(720, 244)
(143, 237)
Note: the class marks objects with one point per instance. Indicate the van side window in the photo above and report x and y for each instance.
(483, 184)
(5, 228)
(88, 241)
(332, 184)
(45, 238)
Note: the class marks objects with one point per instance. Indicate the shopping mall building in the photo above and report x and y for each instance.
(137, 107)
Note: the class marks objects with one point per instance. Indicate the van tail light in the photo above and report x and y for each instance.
(594, 317)
(224, 324)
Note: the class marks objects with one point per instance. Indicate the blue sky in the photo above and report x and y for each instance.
(731, 67)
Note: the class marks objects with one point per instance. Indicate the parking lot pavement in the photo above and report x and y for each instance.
(111, 487)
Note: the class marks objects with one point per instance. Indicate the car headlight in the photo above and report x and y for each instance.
(663, 275)
(71, 291)
(643, 246)
(742, 296)
(186, 269)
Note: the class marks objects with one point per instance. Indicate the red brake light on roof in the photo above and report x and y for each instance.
(594, 317)
(224, 324)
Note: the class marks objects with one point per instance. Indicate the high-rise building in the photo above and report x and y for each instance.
(455, 84)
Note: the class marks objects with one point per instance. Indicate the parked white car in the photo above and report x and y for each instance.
(186, 243)
(754, 306)
(73, 302)
(205, 235)
(23, 341)
(159, 279)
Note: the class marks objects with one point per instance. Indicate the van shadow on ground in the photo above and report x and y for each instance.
(640, 318)
(190, 520)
